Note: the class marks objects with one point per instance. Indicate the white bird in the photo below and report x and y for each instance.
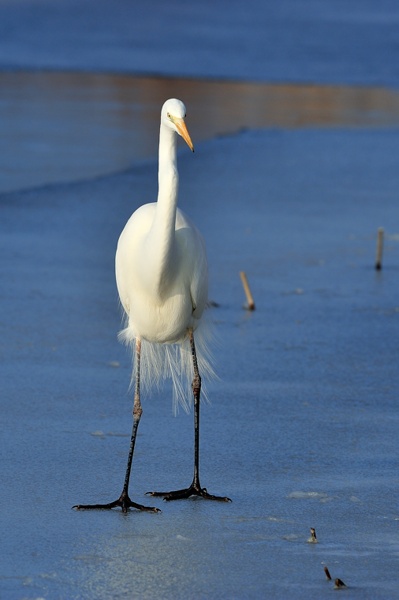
(162, 279)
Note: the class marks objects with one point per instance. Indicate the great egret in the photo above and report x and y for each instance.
(162, 279)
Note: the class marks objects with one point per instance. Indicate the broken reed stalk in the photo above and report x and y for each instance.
(327, 572)
(250, 300)
(313, 537)
(380, 245)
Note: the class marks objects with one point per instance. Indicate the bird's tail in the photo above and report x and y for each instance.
(174, 361)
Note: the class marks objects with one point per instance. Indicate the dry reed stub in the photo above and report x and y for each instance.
(327, 572)
(248, 294)
(313, 537)
(379, 250)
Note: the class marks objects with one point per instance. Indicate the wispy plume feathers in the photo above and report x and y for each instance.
(173, 361)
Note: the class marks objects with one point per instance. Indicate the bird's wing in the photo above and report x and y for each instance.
(193, 255)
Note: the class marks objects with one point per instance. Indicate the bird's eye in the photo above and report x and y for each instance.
(168, 115)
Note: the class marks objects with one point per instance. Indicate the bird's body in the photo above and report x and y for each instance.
(163, 288)
(162, 279)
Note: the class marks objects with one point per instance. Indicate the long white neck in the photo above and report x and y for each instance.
(168, 177)
(162, 234)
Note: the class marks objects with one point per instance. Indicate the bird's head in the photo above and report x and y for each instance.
(173, 115)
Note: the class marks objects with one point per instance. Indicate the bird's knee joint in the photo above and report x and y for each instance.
(137, 411)
(196, 385)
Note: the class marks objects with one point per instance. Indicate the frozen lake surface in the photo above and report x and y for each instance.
(327, 41)
(102, 123)
(302, 428)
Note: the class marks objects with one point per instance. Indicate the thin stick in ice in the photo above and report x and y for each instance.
(380, 245)
(250, 300)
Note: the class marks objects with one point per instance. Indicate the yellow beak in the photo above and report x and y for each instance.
(183, 131)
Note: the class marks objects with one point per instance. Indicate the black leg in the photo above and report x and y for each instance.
(124, 502)
(195, 488)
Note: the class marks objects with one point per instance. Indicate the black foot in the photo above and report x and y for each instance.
(123, 502)
(193, 490)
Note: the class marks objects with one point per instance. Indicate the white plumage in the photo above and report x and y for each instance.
(162, 280)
